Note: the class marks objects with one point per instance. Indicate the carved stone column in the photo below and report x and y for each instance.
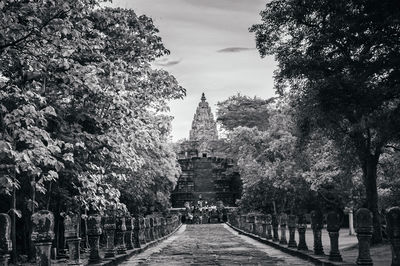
(317, 223)
(268, 221)
(364, 230)
(169, 225)
(5, 241)
(147, 229)
(333, 226)
(151, 228)
(94, 232)
(136, 233)
(292, 231)
(264, 226)
(275, 227)
(71, 226)
(301, 228)
(42, 235)
(283, 223)
(120, 233)
(393, 232)
(129, 232)
(109, 228)
(142, 227)
(156, 228)
(162, 227)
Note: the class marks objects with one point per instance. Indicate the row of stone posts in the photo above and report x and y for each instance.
(267, 226)
(122, 234)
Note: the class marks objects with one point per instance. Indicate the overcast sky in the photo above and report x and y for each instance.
(212, 51)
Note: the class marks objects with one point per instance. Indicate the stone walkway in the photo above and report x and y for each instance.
(212, 244)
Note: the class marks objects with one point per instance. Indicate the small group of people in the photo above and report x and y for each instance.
(196, 214)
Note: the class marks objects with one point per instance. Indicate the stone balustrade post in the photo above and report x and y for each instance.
(129, 232)
(151, 231)
(71, 232)
(120, 235)
(156, 228)
(268, 221)
(168, 227)
(301, 228)
(109, 229)
(142, 233)
(283, 223)
(136, 233)
(292, 224)
(163, 224)
(264, 226)
(255, 225)
(334, 221)
(317, 223)
(364, 229)
(275, 227)
(5, 241)
(42, 235)
(393, 232)
(243, 222)
(146, 229)
(94, 232)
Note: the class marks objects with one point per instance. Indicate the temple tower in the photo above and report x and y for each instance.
(204, 127)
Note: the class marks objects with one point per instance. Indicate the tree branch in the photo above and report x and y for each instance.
(16, 42)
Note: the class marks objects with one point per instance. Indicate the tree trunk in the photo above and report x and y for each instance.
(369, 168)
(13, 225)
(274, 206)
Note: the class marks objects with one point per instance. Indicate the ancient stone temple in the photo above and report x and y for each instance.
(207, 175)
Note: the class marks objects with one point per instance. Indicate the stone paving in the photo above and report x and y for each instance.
(212, 244)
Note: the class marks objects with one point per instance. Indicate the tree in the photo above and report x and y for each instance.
(241, 110)
(265, 153)
(81, 108)
(340, 60)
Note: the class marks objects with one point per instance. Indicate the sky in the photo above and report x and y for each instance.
(212, 51)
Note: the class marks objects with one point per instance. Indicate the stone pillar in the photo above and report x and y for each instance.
(333, 226)
(129, 232)
(301, 228)
(364, 230)
(264, 226)
(42, 235)
(351, 226)
(109, 228)
(156, 228)
(393, 232)
(283, 223)
(120, 234)
(71, 226)
(167, 221)
(5, 241)
(292, 231)
(136, 233)
(94, 232)
(162, 227)
(275, 227)
(147, 229)
(268, 221)
(317, 223)
(151, 229)
(142, 227)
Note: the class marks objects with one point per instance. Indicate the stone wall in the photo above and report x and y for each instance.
(207, 179)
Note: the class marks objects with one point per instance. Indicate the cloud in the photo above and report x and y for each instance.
(167, 62)
(235, 49)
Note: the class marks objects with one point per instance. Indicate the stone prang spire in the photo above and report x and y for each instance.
(203, 125)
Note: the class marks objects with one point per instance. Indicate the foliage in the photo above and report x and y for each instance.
(82, 112)
(240, 110)
(340, 61)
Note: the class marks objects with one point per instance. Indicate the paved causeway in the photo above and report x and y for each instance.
(212, 244)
